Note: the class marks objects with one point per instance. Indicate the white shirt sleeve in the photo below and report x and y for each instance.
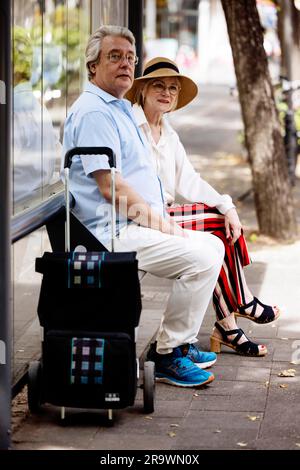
(193, 188)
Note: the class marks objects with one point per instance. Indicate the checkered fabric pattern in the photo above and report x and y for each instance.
(84, 270)
(87, 360)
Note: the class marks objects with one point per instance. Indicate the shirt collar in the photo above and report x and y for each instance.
(141, 120)
(107, 97)
(139, 115)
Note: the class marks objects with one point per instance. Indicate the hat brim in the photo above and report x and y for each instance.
(187, 92)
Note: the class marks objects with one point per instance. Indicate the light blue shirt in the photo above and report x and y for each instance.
(100, 119)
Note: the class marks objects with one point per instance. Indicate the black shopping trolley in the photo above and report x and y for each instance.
(89, 308)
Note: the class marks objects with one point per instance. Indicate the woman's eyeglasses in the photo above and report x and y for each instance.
(115, 57)
(160, 87)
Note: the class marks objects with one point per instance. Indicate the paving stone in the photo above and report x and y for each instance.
(224, 420)
(47, 431)
(132, 441)
(171, 408)
(249, 402)
(280, 365)
(255, 374)
(275, 443)
(167, 392)
(285, 380)
(228, 388)
(224, 372)
(281, 414)
(217, 403)
(254, 362)
(201, 437)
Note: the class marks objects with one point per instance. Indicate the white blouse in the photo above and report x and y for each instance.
(175, 171)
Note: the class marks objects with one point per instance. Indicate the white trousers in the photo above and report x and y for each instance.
(193, 263)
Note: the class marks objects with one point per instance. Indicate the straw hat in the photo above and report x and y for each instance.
(161, 67)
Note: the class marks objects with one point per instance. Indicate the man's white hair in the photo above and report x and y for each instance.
(93, 48)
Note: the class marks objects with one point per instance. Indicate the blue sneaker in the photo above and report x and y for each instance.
(180, 371)
(202, 359)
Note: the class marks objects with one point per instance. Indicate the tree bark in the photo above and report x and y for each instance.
(264, 141)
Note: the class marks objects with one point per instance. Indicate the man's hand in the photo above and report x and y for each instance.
(233, 226)
(173, 228)
(133, 205)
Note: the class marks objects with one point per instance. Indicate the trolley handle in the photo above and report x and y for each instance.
(67, 165)
(90, 151)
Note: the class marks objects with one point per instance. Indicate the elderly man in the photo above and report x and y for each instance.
(101, 117)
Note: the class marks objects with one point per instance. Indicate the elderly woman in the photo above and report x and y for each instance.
(160, 90)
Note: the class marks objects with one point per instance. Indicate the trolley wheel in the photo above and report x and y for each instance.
(34, 390)
(149, 386)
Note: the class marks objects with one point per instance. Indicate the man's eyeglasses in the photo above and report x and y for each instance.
(160, 87)
(115, 57)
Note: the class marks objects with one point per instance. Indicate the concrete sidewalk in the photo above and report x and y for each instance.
(251, 404)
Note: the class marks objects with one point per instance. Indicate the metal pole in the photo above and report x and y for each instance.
(135, 24)
(5, 214)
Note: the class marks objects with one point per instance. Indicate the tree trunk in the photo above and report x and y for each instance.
(272, 190)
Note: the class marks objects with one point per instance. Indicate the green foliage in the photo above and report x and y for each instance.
(62, 32)
(22, 54)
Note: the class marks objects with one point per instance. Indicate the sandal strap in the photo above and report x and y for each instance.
(253, 302)
(266, 315)
(248, 347)
(238, 332)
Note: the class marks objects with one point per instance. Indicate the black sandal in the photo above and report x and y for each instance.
(248, 348)
(266, 316)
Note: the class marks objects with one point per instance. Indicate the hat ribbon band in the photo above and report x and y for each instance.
(160, 65)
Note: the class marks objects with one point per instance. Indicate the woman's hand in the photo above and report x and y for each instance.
(233, 226)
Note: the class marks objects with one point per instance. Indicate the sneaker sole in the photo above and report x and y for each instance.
(205, 365)
(177, 383)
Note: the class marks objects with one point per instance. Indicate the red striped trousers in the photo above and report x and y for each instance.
(229, 290)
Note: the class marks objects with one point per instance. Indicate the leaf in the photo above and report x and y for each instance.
(196, 394)
(217, 430)
(242, 444)
(283, 386)
(172, 434)
(253, 237)
(287, 373)
(253, 418)
(174, 425)
(148, 417)
(267, 383)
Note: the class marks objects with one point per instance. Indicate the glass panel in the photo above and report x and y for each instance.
(111, 12)
(50, 37)
(53, 78)
(49, 73)
(78, 33)
(27, 107)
